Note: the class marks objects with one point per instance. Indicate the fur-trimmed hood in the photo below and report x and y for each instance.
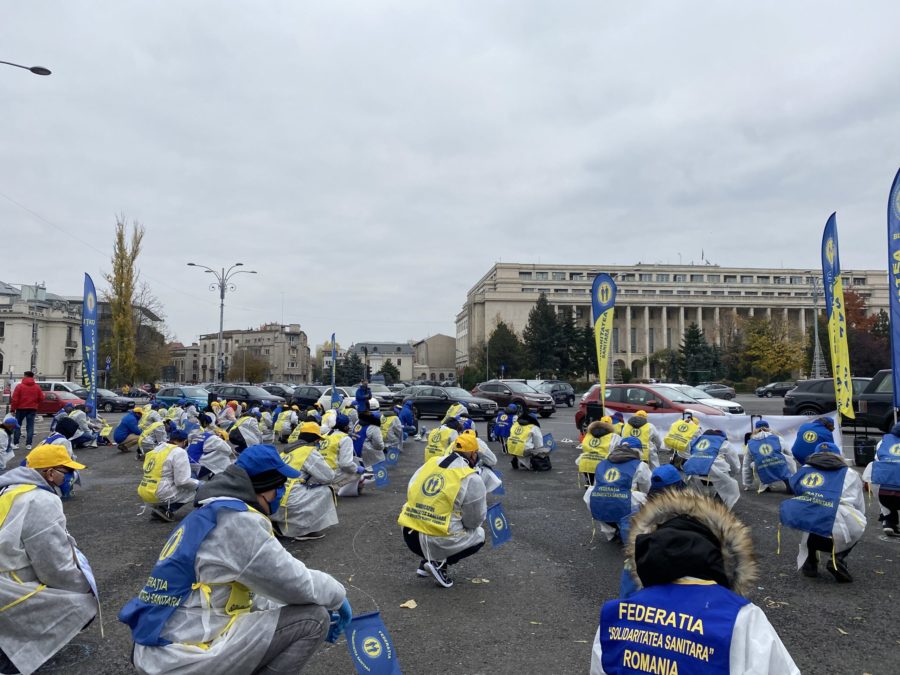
(735, 544)
(599, 429)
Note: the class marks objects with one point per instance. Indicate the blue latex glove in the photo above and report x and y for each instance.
(339, 621)
(360, 469)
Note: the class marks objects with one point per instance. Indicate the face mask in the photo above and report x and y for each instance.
(275, 503)
(65, 490)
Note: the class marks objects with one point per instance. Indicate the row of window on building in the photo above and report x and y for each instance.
(669, 291)
(796, 280)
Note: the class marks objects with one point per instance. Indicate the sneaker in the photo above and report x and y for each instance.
(310, 536)
(162, 514)
(840, 573)
(440, 573)
(811, 566)
(421, 571)
(28, 447)
(762, 488)
(892, 531)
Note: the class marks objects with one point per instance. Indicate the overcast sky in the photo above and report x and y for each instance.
(373, 159)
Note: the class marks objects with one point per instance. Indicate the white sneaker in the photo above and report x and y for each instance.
(28, 448)
(440, 573)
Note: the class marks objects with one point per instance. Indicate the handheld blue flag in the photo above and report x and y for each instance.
(370, 646)
(499, 525)
(499, 490)
(549, 442)
(893, 220)
(381, 474)
(393, 456)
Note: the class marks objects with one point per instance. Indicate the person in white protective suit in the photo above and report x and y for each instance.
(391, 428)
(694, 562)
(152, 435)
(487, 460)
(266, 424)
(167, 483)
(526, 444)
(284, 425)
(620, 487)
(336, 448)
(714, 461)
(769, 455)
(208, 449)
(307, 506)
(225, 596)
(45, 592)
(639, 426)
(245, 432)
(368, 444)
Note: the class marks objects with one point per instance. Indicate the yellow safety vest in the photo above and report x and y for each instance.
(431, 497)
(617, 428)
(239, 422)
(594, 451)
(149, 430)
(330, 446)
(145, 418)
(454, 411)
(172, 412)
(641, 433)
(385, 425)
(7, 498)
(153, 466)
(518, 435)
(295, 434)
(297, 457)
(438, 440)
(283, 417)
(680, 434)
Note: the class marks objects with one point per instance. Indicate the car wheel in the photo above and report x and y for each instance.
(768, 394)
(570, 401)
(809, 412)
(546, 414)
(729, 397)
(108, 407)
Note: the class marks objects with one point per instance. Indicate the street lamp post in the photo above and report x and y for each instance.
(222, 284)
(817, 356)
(37, 70)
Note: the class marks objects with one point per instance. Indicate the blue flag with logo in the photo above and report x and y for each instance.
(392, 456)
(893, 223)
(89, 343)
(499, 525)
(381, 474)
(499, 490)
(370, 646)
(549, 442)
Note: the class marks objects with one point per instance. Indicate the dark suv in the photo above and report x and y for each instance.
(562, 392)
(306, 395)
(816, 397)
(504, 392)
(876, 402)
(246, 394)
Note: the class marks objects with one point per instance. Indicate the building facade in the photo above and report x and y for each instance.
(655, 303)
(435, 358)
(400, 354)
(39, 331)
(186, 362)
(284, 347)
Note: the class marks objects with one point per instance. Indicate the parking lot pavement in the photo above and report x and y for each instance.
(754, 405)
(530, 606)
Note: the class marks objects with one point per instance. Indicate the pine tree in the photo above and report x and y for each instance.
(390, 372)
(540, 338)
(696, 355)
(505, 349)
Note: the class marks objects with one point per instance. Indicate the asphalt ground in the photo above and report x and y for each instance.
(529, 606)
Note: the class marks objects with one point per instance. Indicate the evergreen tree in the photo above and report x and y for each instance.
(390, 372)
(567, 346)
(351, 370)
(505, 349)
(540, 338)
(697, 357)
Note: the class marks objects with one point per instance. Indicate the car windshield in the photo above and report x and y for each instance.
(693, 392)
(106, 392)
(65, 395)
(546, 387)
(519, 388)
(380, 388)
(457, 392)
(256, 392)
(674, 395)
(195, 392)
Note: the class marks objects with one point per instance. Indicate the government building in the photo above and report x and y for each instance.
(655, 303)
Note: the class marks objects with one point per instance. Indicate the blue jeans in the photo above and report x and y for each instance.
(28, 417)
(84, 439)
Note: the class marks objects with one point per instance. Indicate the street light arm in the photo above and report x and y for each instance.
(203, 267)
(230, 274)
(37, 70)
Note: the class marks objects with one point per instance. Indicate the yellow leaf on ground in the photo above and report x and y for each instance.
(410, 604)
(842, 631)
(535, 623)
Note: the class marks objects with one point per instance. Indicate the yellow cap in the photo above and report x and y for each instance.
(466, 442)
(295, 407)
(607, 419)
(640, 413)
(48, 456)
(311, 428)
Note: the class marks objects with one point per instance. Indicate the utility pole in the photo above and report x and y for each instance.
(818, 361)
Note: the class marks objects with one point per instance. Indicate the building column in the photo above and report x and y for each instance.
(627, 337)
(680, 323)
(751, 312)
(719, 340)
(803, 321)
(665, 327)
(785, 315)
(647, 334)
(768, 312)
(700, 316)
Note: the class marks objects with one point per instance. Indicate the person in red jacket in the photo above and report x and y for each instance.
(26, 398)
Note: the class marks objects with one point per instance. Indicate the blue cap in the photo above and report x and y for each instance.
(829, 447)
(342, 420)
(618, 417)
(9, 419)
(631, 442)
(68, 406)
(258, 459)
(178, 435)
(664, 476)
(468, 424)
(512, 407)
(761, 424)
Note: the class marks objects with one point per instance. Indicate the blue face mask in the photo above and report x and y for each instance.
(273, 505)
(65, 490)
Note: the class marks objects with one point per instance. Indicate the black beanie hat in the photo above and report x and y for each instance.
(267, 480)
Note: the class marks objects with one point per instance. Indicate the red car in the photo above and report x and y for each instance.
(56, 400)
(629, 398)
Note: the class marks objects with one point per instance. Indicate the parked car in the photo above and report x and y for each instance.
(348, 392)
(629, 398)
(70, 387)
(54, 401)
(281, 390)
(816, 397)
(504, 392)
(876, 402)
(170, 395)
(775, 389)
(247, 393)
(718, 390)
(561, 392)
(382, 394)
(434, 401)
(306, 395)
(728, 407)
(108, 401)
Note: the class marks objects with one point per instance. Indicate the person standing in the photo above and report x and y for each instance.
(225, 596)
(45, 595)
(694, 560)
(446, 504)
(24, 403)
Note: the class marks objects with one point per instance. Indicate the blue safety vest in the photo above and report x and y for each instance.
(680, 627)
(809, 436)
(771, 464)
(704, 450)
(171, 580)
(359, 438)
(611, 495)
(195, 449)
(886, 470)
(52, 438)
(502, 425)
(815, 507)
